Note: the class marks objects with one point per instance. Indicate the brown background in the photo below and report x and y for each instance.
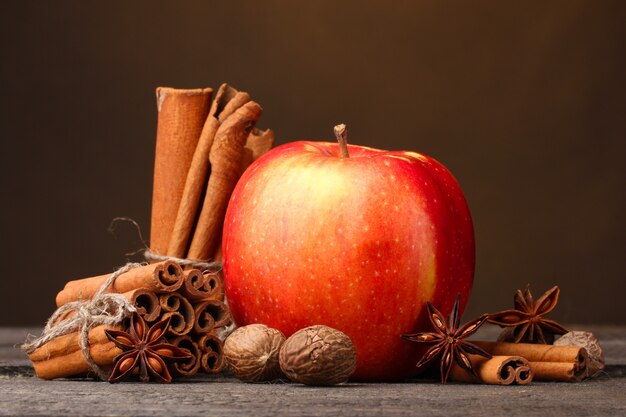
(525, 102)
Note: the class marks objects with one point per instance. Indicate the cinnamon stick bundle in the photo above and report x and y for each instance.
(499, 370)
(202, 148)
(548, 362)
(181, 117)
(160, 277)
(62, 356)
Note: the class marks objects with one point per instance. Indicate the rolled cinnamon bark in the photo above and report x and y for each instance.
(210, 314)
(258, 143)
(215, 281)
(225, 158)
(181, 116)
(178, 323)
(524, 375)
(198, 286)
(558, 371)
(212, 360)
(62, 356)
(191, 366)
(227, 100)
(499, 370)
(160, 277)
(535, 352)
(180, 312)
(146, 302)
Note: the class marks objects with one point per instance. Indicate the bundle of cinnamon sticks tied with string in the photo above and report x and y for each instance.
(204, 143)
(192, 300)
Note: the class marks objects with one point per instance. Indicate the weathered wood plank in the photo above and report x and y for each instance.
(20, 393)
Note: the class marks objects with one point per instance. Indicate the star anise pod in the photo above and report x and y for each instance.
(449, 340)
(527, 319)
(144, 350)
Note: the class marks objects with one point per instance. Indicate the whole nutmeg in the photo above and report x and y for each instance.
(318, 355)
(251, 353)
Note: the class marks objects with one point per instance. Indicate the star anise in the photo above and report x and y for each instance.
(527, 319)
(449, 340)
(144, 349)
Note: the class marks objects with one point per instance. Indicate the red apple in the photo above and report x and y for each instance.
(357, 242)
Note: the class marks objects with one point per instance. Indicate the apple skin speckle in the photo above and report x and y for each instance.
(358, 244)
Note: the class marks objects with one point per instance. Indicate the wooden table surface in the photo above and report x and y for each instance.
(23, 394)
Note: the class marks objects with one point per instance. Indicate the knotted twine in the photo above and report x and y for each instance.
(204, 266)
(102, 308)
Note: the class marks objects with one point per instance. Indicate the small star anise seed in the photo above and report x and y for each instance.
(527, 319)
(448, 340)
(142, 350)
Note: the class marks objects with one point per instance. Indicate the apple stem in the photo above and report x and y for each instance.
(341, 133)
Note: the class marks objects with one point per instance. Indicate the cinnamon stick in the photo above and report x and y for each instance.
(559, 371)
(215, 281)
(159, 277)
(191, 366)
(225, 159)
(198, 286)
(62, 356)
(180, 312)
(535, 352)
(499, 370)
(181, 116)
(210, 314)
(146, 302)
(212, 360)
(227, 100)
(258, 143)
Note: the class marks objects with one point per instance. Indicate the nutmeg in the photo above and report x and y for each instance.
(318, 355)
(251, 353)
